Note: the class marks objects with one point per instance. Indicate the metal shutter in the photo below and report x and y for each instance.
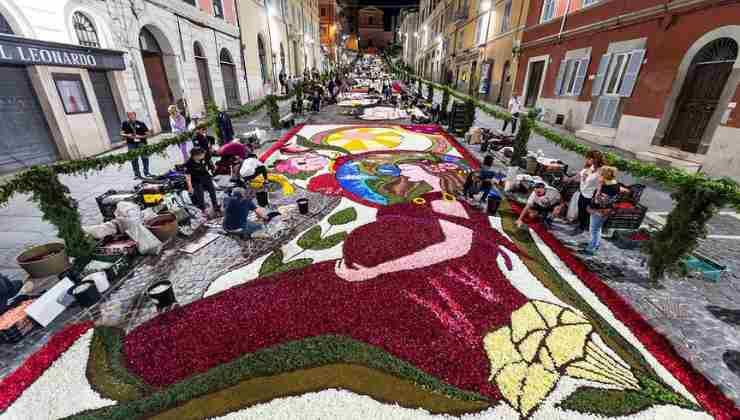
(26, 139)
(581, 76)
(107, 104)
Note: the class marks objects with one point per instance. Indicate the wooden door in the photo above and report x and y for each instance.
(201, 65)
(696, 105)
(159, 86)
(533, 86)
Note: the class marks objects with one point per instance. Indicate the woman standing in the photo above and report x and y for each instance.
(179, 126)
(601, 206)
(589, 182)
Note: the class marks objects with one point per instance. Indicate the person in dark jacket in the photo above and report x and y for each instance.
(237, 206)
(199, 180)
(205, 142)
(135, 132)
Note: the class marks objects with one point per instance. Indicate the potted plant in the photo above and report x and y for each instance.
(44, 260)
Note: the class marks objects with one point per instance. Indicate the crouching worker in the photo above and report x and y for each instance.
(200, 180)
(541, 203)
(252, 168)
(237, 206)
(481, 181)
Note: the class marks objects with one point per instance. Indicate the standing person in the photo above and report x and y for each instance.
(232, 154)
(316, 100)
(136, 132)
(331, 87)
(203, 141)
(291, 84)
(514, 109)
(601, 206)
(179, 126)
(283, 85)
(540, 204)
(199, 180)
(589, 182)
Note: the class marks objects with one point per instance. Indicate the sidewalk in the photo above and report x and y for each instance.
(21, 221)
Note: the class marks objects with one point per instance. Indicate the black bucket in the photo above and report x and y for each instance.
(302, 205)
(162, 294)
(85, 293)
(262, 200)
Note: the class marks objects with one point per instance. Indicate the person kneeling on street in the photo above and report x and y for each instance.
(199, 180)
(252, 168)
(540, 204)
(482, 181)
(237, 206)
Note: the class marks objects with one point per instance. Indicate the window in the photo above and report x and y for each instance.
(323, 11)
(370, 20)
(218, 9)
(86, 34)
(548, 10)
(481, 30)
(262, 57)
(72, 93)
(615, 76)
(571, 76)
(506, 19)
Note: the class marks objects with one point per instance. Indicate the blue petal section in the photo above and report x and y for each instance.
(353, 180)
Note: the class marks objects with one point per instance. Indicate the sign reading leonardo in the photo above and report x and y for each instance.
(14, 50)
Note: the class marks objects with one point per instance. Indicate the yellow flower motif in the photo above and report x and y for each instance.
(544, 342)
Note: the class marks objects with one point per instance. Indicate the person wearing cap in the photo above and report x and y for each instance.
(541, 203)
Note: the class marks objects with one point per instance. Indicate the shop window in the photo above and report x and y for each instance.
(72, 93)
(85, 30)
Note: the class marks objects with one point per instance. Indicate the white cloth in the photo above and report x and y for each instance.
(589, 181)
(249, 166)
(514, 106)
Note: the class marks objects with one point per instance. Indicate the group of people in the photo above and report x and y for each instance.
(598, 192)
(199, 168)
(288, 83)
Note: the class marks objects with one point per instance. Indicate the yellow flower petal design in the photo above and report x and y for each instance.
(500, 350)
(545, 359)
(510, 382)
(524, 320)
(568, 343)
(549, 312)
(570, 317)
(528, 347)
(538, 383)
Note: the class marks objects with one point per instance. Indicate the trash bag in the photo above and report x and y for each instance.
(128, 215)
(573, 206)
(146, 242)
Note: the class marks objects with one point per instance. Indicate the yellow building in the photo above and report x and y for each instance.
(505, 21)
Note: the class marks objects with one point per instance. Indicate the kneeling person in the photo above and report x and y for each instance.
(252, 168)
(237, 206)
(541, 203)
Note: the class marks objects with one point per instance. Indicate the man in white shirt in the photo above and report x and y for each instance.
(252, 168)
(514, 109)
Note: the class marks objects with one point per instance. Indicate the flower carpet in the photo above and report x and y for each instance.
(403, 302)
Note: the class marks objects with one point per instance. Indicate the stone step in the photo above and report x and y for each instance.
(674, 162)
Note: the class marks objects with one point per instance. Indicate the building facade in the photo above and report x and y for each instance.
(504, 22)
(137, 56)
(654, 78)
(329, 29)
(372, 33)
(407, 28)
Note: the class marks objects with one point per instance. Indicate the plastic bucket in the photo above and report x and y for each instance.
(262, 199)
(302, 205)
(85, 293)
(162, 294)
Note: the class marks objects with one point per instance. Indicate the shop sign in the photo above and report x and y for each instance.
(15, 50)
(485, 78)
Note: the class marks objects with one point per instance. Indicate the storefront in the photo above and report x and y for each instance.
(56, 101)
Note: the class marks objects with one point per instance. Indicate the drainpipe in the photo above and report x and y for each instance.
(242, 47)
(562, 23)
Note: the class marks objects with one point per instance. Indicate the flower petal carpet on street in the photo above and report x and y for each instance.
(404, 302)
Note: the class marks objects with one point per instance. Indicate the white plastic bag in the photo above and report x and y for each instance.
(573, 207)
(128, 215)
(102, 230)
(147, 243)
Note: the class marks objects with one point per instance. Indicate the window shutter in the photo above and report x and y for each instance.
(633, 70)
(581, 76)
(605, 114)
(601, 75)
(561, 75)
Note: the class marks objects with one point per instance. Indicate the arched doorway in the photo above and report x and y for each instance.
(201, 64)
(504, 91)
(700, 94)
(262, 57)
(151, 54)
(228, 72)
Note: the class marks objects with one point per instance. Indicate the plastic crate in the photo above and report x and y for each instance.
(634, 195)
(711, 270)
(626, 218)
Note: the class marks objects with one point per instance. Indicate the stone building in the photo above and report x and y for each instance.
(140, 55)
(371, 29)
(659, 79)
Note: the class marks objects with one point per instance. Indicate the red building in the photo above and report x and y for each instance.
(653, 77)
